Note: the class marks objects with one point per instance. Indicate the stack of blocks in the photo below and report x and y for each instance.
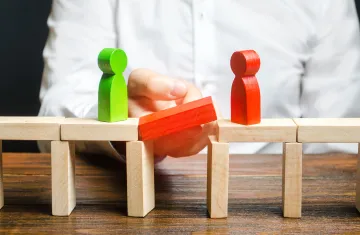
(113, 124)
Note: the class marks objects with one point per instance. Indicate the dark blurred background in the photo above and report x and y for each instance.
(23, 32)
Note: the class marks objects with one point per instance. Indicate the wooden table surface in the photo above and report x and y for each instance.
(254, 197)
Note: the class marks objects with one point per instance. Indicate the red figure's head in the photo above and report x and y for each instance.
(245, 63)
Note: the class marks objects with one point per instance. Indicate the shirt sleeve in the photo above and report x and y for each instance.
(78, 31)
(331, 83)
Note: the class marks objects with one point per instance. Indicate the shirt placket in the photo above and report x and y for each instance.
(202, 40)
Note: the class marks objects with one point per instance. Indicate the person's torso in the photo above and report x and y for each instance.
(195, 40)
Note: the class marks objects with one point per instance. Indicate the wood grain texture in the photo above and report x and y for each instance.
(357, 195)
(245, 90)
(292, 180)
(1, 178)
(255, 197)
(177, 118)
(328, 130)
(30, 128)
(268, 130)
(94, 130)
(140, 178)
(217, 179)
(63, 178)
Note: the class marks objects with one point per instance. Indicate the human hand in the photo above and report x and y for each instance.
(150, 92)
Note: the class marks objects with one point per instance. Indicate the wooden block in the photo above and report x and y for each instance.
(217, 179)
(112, 94)
(140, 178)
(357, 199)
(292, 180)
(94, 130)
(1, 179)
(30, 128)
(328, 130)
(268, 130)
(176, 119)
(63, 177)
(245, 90)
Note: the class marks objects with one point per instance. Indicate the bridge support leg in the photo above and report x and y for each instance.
(357, 199)
(217, 179)
(63, 177)
(1, 179)
(140, 178)
(292, 180)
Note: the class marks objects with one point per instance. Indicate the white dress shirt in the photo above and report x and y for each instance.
(309, 50)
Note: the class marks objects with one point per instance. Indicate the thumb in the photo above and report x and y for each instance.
(146, 83)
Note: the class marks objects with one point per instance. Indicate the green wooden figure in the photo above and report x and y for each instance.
(112, 95)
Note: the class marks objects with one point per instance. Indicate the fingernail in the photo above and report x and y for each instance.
(179, 89)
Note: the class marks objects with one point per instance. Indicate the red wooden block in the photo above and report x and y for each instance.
(245, 63)
(245, 91)
(177, 118)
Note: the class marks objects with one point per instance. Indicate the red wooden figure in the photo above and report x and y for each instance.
(245, 91)
(177, 118)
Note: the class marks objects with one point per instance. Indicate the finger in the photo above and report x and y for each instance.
(146, 83)
(192, 145)
(217, 111)
(201, 142)
(193, 140)
(210, 129)
(141, 106)
(171, 146)
(193, 93)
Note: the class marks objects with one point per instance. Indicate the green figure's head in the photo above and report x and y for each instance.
(112, 61)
